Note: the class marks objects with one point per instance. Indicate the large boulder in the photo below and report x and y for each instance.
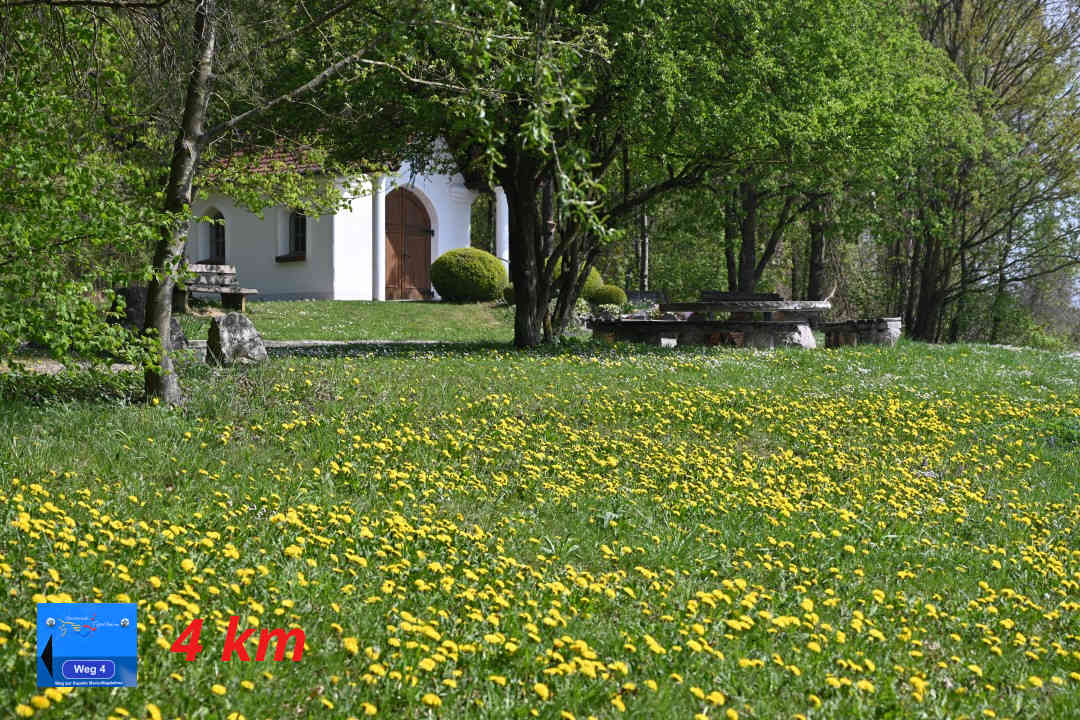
(233, 340)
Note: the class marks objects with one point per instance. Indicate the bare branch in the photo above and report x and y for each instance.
(113, 4)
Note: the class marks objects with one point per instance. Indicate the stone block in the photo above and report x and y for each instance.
(233, 340)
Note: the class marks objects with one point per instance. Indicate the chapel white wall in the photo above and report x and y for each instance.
(352, 247)
(252, 244)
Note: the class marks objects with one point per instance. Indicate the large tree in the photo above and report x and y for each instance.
(583, 112)
(206, 73)
(973, 205)
(72, 207)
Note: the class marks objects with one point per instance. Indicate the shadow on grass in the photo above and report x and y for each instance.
(72, 385)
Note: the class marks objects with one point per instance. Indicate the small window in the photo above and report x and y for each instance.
(217, 239)
(297, 233)
(297, 249)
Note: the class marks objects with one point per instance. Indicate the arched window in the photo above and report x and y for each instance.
(297, 233)
(216, 235)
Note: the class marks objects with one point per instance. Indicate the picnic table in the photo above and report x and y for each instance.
(783, 322)
(793, 307)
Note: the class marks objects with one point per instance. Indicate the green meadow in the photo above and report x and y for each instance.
(579, 532)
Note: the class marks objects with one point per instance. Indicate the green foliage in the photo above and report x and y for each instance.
(593, 281)
(75, 217)
(468, 275)
(508, 295)
(607, 295)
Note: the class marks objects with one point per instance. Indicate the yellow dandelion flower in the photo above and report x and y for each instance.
(542, 690)
(218, 689)
(24, 710)
(431, 700)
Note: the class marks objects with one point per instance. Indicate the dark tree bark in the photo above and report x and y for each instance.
(796, 271)
(815, 275)
(750, 200)
(162, 382)
(531, 297)
(643, 268)
(958, 326)
(731, 239)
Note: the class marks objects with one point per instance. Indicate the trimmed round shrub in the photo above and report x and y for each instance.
(607, 295)
(468, 275)
(593, 281)
(508, 295)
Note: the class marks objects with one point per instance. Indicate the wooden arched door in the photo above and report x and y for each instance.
(408, 247)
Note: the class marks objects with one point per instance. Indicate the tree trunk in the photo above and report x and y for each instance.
(748, 250)
(929, 306)
(796, 270)
(526, 262)
(644, 267)
(731, 237)
(960, 321)
(161, 382)
(997, 309)
(815, 274)
(910, 294)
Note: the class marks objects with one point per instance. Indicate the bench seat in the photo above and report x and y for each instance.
(233, 297)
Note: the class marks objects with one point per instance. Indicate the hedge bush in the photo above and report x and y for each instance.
(607, 295)
(468, 275)
(593, 281)
(508, 295)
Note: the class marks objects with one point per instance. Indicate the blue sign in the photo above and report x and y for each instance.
(87, 645)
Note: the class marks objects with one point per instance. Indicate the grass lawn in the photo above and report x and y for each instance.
(349, 320)
(853, 533)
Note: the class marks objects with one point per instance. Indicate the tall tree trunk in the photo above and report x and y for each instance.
(531, 292)
(796, 270)
(960, 321)
(910, 294)
(997, 309)
(643, 268)
(633, 248)
(162, 382)
(748, 250)
(815, 274)
(894, 267)
(731, 239)
(929, 306)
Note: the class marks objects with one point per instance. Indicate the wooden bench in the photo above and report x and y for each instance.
(218, 279)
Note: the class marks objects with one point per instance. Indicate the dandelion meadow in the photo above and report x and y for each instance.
(582, 533)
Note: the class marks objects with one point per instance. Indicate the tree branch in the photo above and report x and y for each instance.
(113, 4)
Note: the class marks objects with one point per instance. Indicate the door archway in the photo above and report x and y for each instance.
(408, 247)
